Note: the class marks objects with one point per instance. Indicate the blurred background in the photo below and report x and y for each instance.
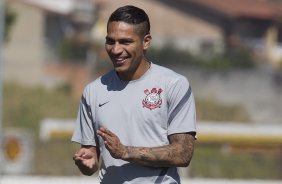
(230, 50)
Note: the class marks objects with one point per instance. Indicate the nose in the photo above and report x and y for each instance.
(117, 49)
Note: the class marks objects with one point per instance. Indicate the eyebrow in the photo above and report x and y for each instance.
(108, 38)
(121, 39)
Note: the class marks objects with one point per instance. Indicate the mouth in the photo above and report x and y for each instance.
(119, 60)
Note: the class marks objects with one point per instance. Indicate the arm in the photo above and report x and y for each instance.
(86, 160)
(178, 153)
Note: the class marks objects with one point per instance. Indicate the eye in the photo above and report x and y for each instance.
(110, 41)
(125, 41)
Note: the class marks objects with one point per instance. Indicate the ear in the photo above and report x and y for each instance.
(147, 41)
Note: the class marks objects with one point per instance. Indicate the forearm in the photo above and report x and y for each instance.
(164, 156)
(175, 154)
(178, 153)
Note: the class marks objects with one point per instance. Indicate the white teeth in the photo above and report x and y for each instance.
(120, 59)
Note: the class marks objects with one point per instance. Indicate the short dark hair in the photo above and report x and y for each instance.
(134, 16)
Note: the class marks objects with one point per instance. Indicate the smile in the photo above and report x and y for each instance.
(119, 60)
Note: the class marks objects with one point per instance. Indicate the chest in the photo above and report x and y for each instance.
(134, 108)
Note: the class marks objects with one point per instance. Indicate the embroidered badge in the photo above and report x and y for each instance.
(153, 98)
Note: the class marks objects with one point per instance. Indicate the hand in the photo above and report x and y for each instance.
(112, 143)
(85, 159)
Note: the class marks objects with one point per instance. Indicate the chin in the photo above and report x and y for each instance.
(121, 69)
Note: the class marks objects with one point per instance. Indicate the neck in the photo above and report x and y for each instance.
(138, 73)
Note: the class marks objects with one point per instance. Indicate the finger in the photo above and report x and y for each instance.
(107, 145)
(87, 156)
(105, 136)
(80, 152)
(100, 132)
(88, 164)
(77, 158)
(106, 131)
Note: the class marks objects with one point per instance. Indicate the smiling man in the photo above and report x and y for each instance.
(139, 118)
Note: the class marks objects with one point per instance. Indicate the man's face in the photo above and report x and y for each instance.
(126, 50)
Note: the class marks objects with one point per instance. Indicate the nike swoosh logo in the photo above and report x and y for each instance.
(100, 105)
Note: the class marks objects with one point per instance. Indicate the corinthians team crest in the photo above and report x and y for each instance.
(153, 98)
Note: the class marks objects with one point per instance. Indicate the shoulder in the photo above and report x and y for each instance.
(98, 83)
(169, 75)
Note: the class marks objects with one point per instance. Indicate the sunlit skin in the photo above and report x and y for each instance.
(86, 160)
(178, 153)
(126, 49)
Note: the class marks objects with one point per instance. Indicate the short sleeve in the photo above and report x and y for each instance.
(181, 111)
(84, 131)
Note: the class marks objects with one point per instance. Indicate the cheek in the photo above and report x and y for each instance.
(108, 48)
(137, 51)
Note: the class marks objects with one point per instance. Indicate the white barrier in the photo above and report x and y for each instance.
(207, 131)
(94, 180)
(17, 152)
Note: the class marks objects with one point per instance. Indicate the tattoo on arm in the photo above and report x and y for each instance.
(178, 153)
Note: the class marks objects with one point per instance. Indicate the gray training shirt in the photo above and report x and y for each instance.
(142, 113)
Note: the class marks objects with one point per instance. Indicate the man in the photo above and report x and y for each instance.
(139, 117)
